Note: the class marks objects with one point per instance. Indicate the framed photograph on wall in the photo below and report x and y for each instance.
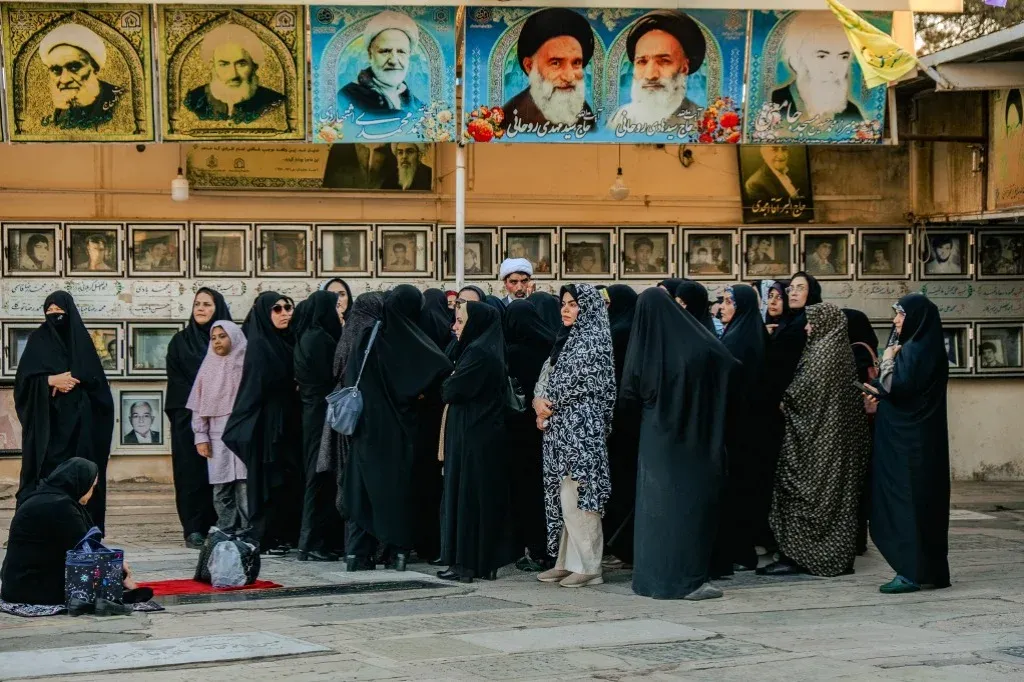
(94, 249)
(768, 253)
(827, 254)
(535, 244)
(958, 339)
(108, 340)
(884, 253)
(32, 249)
(140, 420)
(284, 250)
(945, 253)
(156, 250)
(587, 253)
(10, 427)
(775, 184)
(480, 253)
(15, 338)
(222, 249)
(1000, 254)
(344, 250)
(999, 347)
(647, 252)
(405, 251)
(147, 347)
(710, 254)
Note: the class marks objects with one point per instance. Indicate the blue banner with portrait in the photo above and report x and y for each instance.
(383, 74)
(805, 84)
(604, 75)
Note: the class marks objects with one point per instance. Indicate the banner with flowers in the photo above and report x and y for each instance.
(604, 75)
(383, 74)
(805, 83)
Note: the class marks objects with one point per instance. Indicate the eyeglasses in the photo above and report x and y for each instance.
(278, 308)
(799, 288)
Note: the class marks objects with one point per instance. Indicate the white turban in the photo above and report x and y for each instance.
(232, 34)
(75, 35)
(399, 21)
(420, 147)
(511, 266)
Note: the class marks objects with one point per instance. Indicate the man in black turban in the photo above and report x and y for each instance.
(554, 47)
(665, 47)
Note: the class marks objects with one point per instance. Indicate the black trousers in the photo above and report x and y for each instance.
(193, 496)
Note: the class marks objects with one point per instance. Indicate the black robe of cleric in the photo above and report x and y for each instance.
(475, 538)
(436, 322)
(185, 354)
(683, 379)
(910, 473)
(264, 429)
(745, 337)
(321, 529)
(58, 425)
(528, 342)
(623, 442)
(402, 368)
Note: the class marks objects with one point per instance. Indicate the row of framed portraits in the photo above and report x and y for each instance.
(214, 249)
(976, 348)
(126, 349)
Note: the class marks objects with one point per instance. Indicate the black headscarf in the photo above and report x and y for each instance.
(562, 335)
(671, 285)
(365, 311)
(187, 349)
(475, 289)
(859, 328)
(779, 286)
(695, 296)
(813, 290)
(495, 303)
(482, 328)
(435, 318)
(74, 478)
(322, 313)
(745, 334)
(620, 317)
(549, 308)
(280, 342)
(523, 324)
(300, 319)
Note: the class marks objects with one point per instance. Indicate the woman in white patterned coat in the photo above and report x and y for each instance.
(574, 401)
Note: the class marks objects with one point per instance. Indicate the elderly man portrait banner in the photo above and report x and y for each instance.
(632, 75)
(78, 75)
(232, 73)
(805, 84)
(383, 74)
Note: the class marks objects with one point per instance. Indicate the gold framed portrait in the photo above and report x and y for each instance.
(78, 73)
(232, 73)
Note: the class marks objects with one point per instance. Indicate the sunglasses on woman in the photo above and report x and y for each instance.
(279, 308)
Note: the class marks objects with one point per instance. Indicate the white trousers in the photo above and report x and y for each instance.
(582, 544)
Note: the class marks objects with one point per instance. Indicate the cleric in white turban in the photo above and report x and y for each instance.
(74, 56)
(516, 273)
(390, 38)
(234, 55)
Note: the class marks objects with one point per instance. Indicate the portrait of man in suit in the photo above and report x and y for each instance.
(140, 419)
(775, 183)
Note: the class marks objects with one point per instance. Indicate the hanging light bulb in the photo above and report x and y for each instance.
(619, 190)
(179, 187)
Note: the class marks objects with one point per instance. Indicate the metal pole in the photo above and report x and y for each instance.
(460, 216)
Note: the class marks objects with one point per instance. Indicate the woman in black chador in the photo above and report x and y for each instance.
(910, 476)
(402, 368)
(683, 378)
(528, 342)
(474, 541)
(314, 358)
(264, 427)
(745, 337)
(693, 297)
(548, 307)
(185, 354)
(63, 401)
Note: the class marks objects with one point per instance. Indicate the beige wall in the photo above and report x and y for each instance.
(540, 184)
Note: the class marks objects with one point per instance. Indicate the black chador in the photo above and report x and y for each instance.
(682, 377)
(58, 425)
(264, 428)
(403, 367)
(185, 354)
(314, 359)
(474, 541)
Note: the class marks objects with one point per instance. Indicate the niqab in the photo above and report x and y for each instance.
(216, 385)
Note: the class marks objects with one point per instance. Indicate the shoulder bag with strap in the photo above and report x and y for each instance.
(345, 406)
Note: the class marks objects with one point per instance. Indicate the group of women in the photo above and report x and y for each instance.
(593, 429)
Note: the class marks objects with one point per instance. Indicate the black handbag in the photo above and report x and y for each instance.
(515, 397)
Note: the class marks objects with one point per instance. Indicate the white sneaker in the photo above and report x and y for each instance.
(553, 575)
(582, 580)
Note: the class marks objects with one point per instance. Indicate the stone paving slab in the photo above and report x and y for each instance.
(586, 635)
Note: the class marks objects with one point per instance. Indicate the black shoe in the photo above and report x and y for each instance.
(280, 550)
(355, 563)
(398, 562)
(780, 568)
(740, 568)
(317, 555)
(195, 541)
(436, 562)
(112, 608)
(78, 607)
(493, 575)
(139, 595)
(450, 574)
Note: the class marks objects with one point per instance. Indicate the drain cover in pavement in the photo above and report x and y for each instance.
(289, 592)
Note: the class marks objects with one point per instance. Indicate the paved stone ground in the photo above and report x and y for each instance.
(518, 629)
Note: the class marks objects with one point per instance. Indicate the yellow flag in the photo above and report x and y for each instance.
(880, 58)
